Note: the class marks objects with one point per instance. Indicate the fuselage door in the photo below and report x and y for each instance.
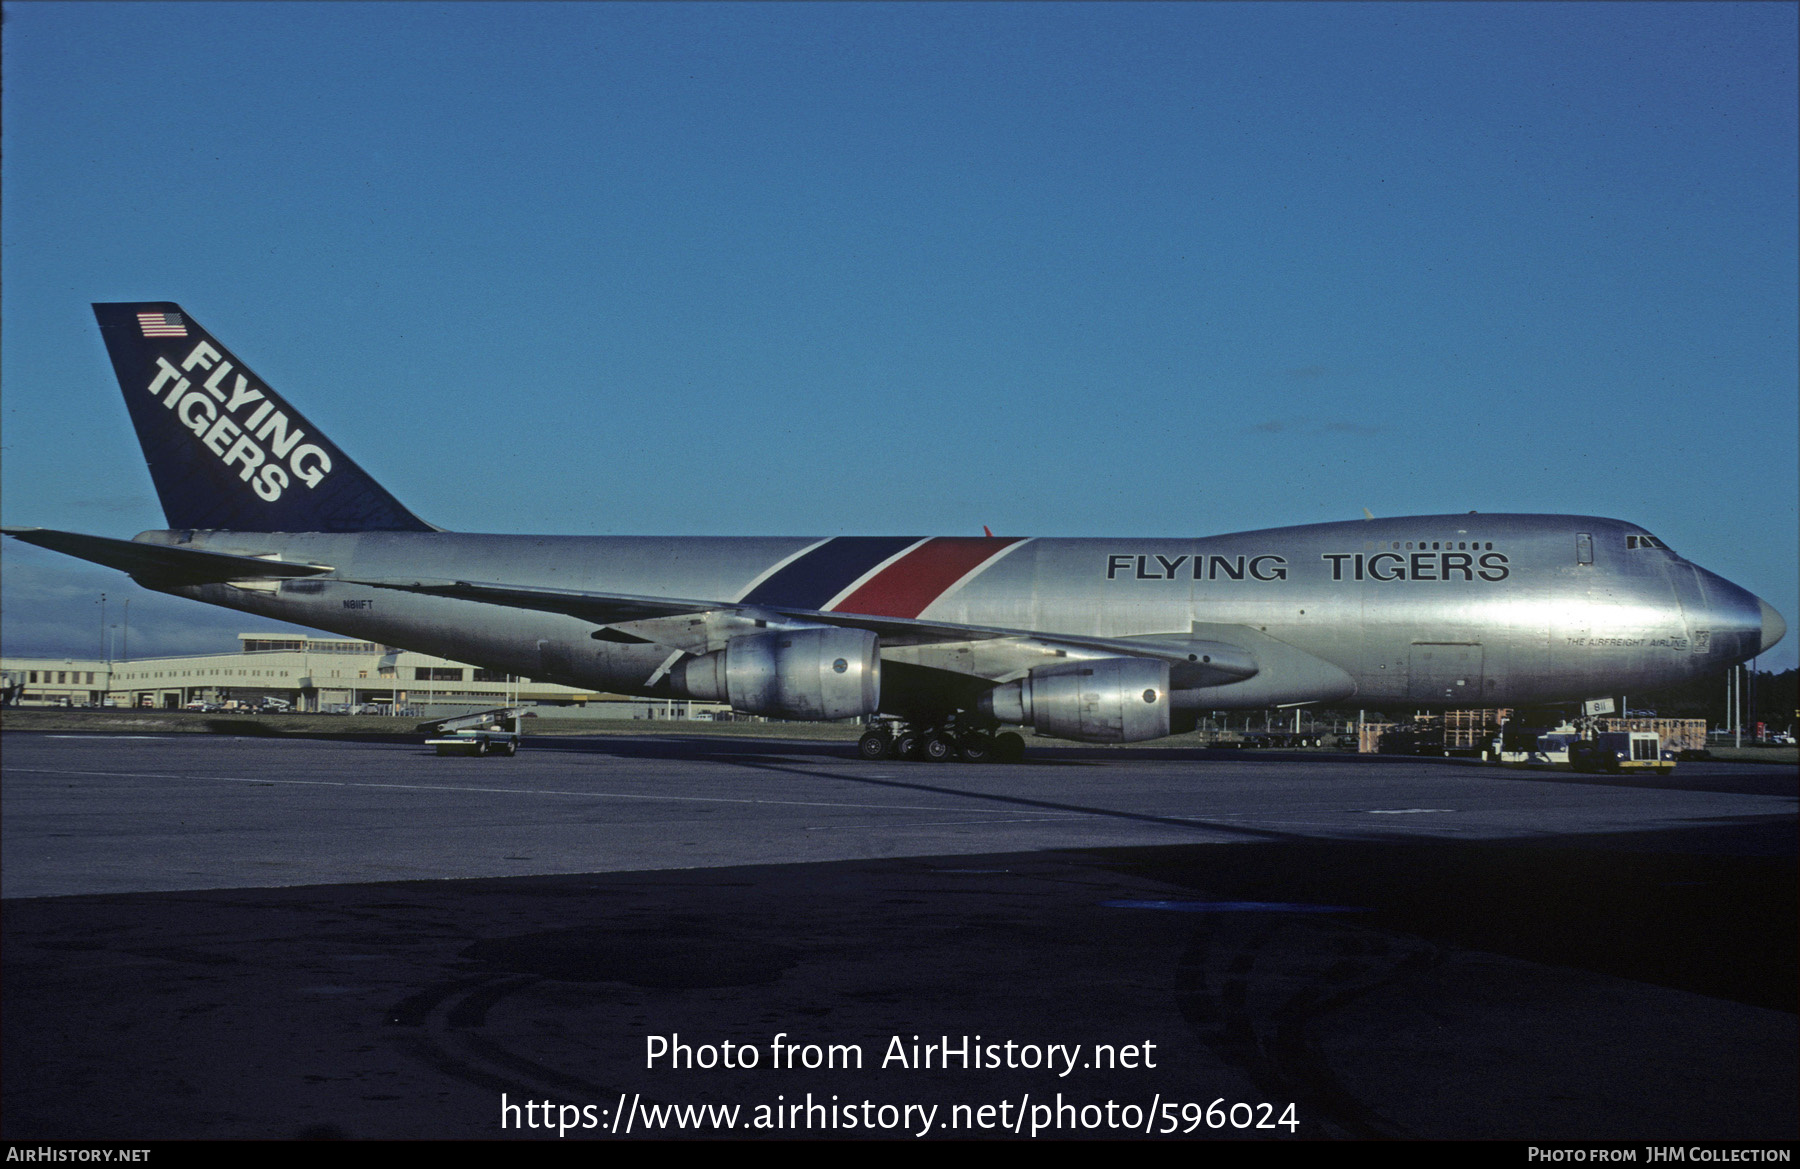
(1449, 672)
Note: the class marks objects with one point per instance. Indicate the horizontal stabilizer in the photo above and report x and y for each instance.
(160, 562)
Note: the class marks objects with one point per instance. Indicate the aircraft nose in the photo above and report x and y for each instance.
(1773, 627)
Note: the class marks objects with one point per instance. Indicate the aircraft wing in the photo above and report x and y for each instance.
(700, 626)
(601, 608)
(162, 563)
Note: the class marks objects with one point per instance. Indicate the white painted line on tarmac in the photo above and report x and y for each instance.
(889, 824)
(1402, 811)
(513, 791)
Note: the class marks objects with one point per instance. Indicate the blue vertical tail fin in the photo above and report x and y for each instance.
(225, 451)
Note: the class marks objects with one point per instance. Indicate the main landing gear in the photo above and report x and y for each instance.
(939, 744)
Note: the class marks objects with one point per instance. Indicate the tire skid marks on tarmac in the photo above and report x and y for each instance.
(445, 1022)
(1253, 988)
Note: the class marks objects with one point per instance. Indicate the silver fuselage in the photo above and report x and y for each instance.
(1464, 610)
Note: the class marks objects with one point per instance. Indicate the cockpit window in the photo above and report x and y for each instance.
(1645, 541)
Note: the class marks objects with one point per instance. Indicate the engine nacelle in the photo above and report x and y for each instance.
(1114, 700)
(818, 673)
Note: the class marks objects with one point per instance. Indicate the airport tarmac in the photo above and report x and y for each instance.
(217, 937)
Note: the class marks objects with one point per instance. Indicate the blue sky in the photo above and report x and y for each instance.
(1076, 269)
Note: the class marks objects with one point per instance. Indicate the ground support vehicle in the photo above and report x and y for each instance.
(492, 732)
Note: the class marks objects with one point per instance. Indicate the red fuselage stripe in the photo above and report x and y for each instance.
(905, 587)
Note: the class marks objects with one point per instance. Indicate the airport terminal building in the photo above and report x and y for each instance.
(313, 674)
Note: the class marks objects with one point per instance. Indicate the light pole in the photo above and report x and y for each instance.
(1737, 705)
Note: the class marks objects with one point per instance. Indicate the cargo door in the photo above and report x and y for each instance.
(556, 663)
(1451, 672)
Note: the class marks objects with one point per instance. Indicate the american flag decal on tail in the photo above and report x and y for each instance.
(162, 324)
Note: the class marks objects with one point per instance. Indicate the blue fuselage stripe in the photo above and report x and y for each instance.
(811, 581)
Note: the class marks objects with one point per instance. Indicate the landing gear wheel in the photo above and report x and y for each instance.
(937, 749)
(906, 745)
(977, 748)
(1009, 747)
(872, 746)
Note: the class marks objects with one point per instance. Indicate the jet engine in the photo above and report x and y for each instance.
(1113, 700)
(817, 673)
